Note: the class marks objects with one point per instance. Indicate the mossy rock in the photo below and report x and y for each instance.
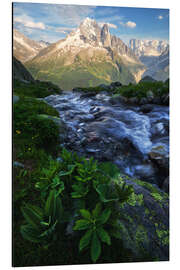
(144, 221)
(58, 122)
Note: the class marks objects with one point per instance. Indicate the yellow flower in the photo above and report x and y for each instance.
(18, 131)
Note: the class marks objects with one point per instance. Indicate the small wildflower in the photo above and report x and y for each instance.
(29, 148)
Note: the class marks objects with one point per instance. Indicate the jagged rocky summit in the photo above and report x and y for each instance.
(88, 56)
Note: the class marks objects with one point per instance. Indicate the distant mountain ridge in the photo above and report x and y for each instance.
(148, 47)
(24, 48)
(88, 56)
(154, 54)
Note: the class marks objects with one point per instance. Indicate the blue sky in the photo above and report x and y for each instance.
(52, 22)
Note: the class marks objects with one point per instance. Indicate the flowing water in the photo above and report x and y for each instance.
(118, 133)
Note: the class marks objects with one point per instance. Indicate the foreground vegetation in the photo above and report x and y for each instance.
(53, 196)
(64, 206)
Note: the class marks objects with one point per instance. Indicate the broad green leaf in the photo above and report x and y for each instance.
(41, 185)
(109, 168)
(30, 233)
(82, 224)
(71, 169)
(85, 240)
(106, 193)
(37, 209)
(85, 214)
(104, 216)
(79, 190)
(96, 211)
(104, 236)
(31, 216)
(59, 209)
(95, 247)
(49, 231)
(50, 206)
(76, 195)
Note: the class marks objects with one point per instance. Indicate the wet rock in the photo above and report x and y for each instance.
(165, 99)
(88, 95)
(83, 141)
(158, 129)
(165, 185)
(144, 223)
(91, 150)
(63, 107)
(143, 101)
(157, 100)
(77, 89)
(86, 117)
(133, 100)
(103, 96)
(146, 108)
(93, 137)
(146, 172)
(94, 109)
(115, 99)
(160, 156)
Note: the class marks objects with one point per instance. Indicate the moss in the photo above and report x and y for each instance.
(163, 235)
(157, 196)
(141, 235)
(147, 212)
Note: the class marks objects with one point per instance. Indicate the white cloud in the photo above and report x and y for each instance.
(129, 24)
(28, 22)
(160, 17)
(111, 25)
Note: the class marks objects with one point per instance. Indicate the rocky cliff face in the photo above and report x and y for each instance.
(148, 47)
(154, 54)
(105, 36)
(20, 72)
(24, 48)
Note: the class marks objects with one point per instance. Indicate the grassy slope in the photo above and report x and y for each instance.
(82, 72)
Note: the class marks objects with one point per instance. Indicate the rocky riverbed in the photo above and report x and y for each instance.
(134, 137)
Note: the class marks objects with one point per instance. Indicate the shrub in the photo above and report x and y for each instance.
(76, 194)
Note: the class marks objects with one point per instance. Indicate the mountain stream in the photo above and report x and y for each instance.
(136, 140)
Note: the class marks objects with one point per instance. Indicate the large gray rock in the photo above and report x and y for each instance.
(160, 156)
(115, 99)
(144, 221)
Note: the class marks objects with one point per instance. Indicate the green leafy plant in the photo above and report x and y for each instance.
(42, 222)
(95, 234)
(72, 187)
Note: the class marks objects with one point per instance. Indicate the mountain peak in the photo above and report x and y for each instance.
(88, 20)
(105, 36)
